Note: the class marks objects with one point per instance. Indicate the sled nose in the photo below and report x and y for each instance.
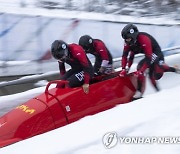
(9, 141)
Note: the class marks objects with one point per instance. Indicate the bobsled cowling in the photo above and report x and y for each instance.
(58, 107)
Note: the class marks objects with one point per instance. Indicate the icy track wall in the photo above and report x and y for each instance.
(25, 37)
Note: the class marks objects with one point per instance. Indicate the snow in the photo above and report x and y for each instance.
(155, 116)
(16, 7)
(67, 14)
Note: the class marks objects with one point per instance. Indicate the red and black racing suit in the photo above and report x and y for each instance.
(101, 53)
(81, 69)
(154, 58)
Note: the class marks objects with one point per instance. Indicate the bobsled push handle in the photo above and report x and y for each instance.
(55, 82)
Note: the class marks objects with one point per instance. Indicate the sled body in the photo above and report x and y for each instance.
(58, 107)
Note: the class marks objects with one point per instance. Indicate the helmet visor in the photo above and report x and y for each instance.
(86, 48)
(60, 54)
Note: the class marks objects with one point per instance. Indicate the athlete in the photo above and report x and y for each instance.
(103, 58)
(81, 69)
(140, 42)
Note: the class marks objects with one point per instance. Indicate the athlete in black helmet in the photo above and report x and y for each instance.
(86, 42)
(81, 69)
(129, 34)
(59, 50)
(96, 47)
(140, 42)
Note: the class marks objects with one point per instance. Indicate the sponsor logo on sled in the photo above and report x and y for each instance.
(26, 109)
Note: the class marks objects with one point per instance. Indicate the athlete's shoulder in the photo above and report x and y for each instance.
(143, 37)
(99, 45)
(76, 50)
(98, 42)
(75, 47)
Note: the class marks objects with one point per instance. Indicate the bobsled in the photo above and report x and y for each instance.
(57, 107)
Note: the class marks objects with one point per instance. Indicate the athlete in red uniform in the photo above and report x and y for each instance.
(140, 42)
(103, 58)
(81, 69)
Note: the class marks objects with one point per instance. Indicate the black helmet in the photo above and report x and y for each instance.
(86, 42)
(130, 31)
(59, 49)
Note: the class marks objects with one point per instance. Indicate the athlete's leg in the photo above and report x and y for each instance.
(165, 67)
(76, 79)
(152, 78)
(160, 67)
(140, 80)
(65, 77)
(140, 77)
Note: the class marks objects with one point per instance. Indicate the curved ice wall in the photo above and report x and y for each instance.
(24, 37)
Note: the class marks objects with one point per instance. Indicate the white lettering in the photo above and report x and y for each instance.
(80, 76)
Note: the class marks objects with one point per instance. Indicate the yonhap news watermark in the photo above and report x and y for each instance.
(111, 139)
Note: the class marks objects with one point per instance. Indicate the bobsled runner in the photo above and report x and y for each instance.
(57, 107)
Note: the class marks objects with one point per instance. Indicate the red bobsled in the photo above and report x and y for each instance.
(60, 106)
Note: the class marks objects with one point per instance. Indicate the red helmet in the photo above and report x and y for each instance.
(59, 49)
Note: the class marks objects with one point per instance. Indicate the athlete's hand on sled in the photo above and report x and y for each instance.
(138, 73)
(123, 73)
(85, 88)
(102, 69)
